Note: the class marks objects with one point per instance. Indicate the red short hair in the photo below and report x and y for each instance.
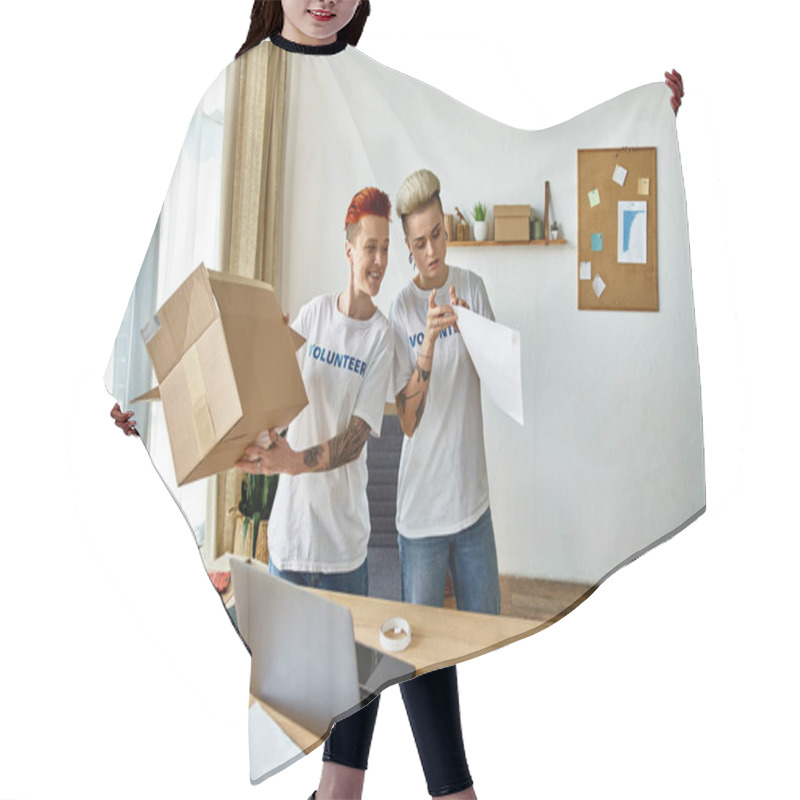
(367, 202)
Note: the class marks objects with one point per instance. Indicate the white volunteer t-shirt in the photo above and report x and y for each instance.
(320, 521)
(442, 487)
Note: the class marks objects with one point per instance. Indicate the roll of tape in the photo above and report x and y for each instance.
(395, 634)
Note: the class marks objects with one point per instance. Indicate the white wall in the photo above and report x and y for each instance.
(610, 459)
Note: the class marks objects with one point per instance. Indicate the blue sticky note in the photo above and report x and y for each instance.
(597, 241)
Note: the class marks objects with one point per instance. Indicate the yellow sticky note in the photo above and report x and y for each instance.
(644, 185)
(594, 198)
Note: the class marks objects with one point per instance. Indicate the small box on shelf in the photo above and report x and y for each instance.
(512, 223)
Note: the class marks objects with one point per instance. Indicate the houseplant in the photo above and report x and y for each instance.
(481, 225)
(255, 505)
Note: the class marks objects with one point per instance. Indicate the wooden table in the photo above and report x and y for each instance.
(440, 637)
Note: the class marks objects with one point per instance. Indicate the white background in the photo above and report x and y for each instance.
(119, 675)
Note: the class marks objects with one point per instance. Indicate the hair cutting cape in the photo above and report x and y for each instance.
(609, 461)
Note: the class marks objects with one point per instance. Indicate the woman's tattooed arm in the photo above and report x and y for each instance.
(341, 449)
(411, 400)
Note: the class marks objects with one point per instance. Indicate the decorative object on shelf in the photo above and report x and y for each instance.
(481, 226)
(554, 232)
(449, 227)
(512, 223)
(462, 229)
(546, 225)
(538, 228)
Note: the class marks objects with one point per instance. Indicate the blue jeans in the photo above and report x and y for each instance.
(353, 582)
(471, 557)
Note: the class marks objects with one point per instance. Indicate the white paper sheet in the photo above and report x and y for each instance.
(632, 232)
(586, 270)
(270, 748)
(599, 285)
(495, 352)
(620, 173)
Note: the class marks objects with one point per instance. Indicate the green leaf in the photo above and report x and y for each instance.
(256, 521)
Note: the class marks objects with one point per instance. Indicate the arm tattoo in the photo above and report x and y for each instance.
(312, 456)
(403, 398)
(423, 374)
(346, 447)
(420, 409)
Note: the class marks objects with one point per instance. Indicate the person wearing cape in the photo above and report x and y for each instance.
(384, 126)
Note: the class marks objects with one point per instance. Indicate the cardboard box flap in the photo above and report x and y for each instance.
(297, 340)
(235, 291)
(235, 295)
(512, 211)
(148, 397)
(180, 321)
(268, 371)
(261, 345)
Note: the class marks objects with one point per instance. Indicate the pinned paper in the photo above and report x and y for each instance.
(644, 185)
(586, 270)
(620, 173)
(599, 285)
(594, 198)
(597, 242)
(632, 232)
(495, 353)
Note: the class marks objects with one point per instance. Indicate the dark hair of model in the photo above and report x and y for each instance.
(266, 19)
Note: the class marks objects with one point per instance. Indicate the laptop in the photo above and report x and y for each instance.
(306, 662)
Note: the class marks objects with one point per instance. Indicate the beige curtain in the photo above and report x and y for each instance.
(250, 221)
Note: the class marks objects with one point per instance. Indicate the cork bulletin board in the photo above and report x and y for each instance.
(617, 231)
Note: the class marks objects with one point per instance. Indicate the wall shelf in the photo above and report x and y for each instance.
(540, 242)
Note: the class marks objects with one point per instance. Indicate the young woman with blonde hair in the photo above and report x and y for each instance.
(443, 517)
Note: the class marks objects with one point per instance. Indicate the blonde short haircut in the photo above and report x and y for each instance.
(419, 190)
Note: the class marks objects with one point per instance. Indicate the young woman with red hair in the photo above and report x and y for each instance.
(319, 526)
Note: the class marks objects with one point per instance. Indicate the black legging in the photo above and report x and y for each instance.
(433, 711)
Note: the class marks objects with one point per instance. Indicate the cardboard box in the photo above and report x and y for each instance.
(512, 223)
(226, 369)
